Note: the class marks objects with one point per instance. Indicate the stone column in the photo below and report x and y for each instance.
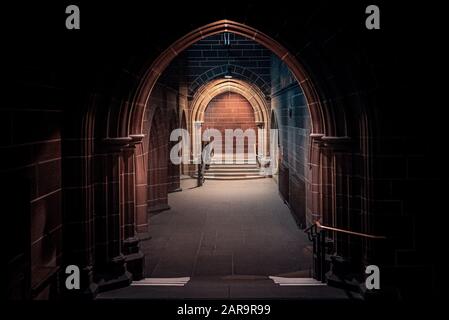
(196, 141)
(174, 172)
(337, 208)
(315, 194)
(111, 264)
(133, 256)
(78, 215)
(262, 141)
(338, 149)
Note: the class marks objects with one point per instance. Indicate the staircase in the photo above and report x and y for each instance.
(233, 172)
(222, 287)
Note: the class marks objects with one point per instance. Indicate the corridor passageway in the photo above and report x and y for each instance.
(102, 153)
(225, 229)
(223, 241)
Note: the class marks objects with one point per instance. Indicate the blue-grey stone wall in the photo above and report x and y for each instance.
(292, 116)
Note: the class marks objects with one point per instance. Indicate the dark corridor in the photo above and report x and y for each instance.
(88, 139)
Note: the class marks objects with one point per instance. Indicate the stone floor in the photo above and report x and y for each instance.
(226, 228)
(228, 237)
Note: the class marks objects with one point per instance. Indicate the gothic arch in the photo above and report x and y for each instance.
(237, 71)
(125, 128)
(131, 113)
(214, 88)
(210, 90)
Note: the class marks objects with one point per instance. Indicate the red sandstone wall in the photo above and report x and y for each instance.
(162, 117)
(229, 111)
(31, 173)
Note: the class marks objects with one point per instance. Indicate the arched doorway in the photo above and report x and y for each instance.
(321, 124)
(132, 122)
(250, 92)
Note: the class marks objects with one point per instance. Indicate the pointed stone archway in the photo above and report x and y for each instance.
(250, 92)
(328, 178)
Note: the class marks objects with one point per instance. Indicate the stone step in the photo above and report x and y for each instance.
(285, 281)
(232, 288)
(235, 178)
(247, 177)
(225, 171)
(233, 173)
(233, 166)
(251, 170)
(174, 282)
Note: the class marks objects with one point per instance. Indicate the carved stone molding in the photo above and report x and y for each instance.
(335, 143)
(116, 144)
(136, 138)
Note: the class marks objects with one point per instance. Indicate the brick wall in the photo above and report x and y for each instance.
(355, 74)
(30, 168)
(209, 58)
(160, 119)
(230, 111)
(293, 120)
(157, 163)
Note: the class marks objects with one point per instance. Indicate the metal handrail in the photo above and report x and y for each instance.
(320, 244)
(359, 234)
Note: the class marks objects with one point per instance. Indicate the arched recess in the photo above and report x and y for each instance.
(214, 88)
(158, 162)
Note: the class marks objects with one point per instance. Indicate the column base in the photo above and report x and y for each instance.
(119, 282)
(88, 293)
(115, 276)
(135, 259)
(135, 264)
(89, 289)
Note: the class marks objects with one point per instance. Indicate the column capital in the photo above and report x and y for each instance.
(332, 142)
(136, 138)
(116, 144)
(198, 123)
(120, 143)
(316, 137)
(336, 143)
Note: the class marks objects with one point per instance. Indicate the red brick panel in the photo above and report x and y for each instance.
(230, 111)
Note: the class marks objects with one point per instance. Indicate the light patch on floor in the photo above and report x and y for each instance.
(174, 282)
(282, 281)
